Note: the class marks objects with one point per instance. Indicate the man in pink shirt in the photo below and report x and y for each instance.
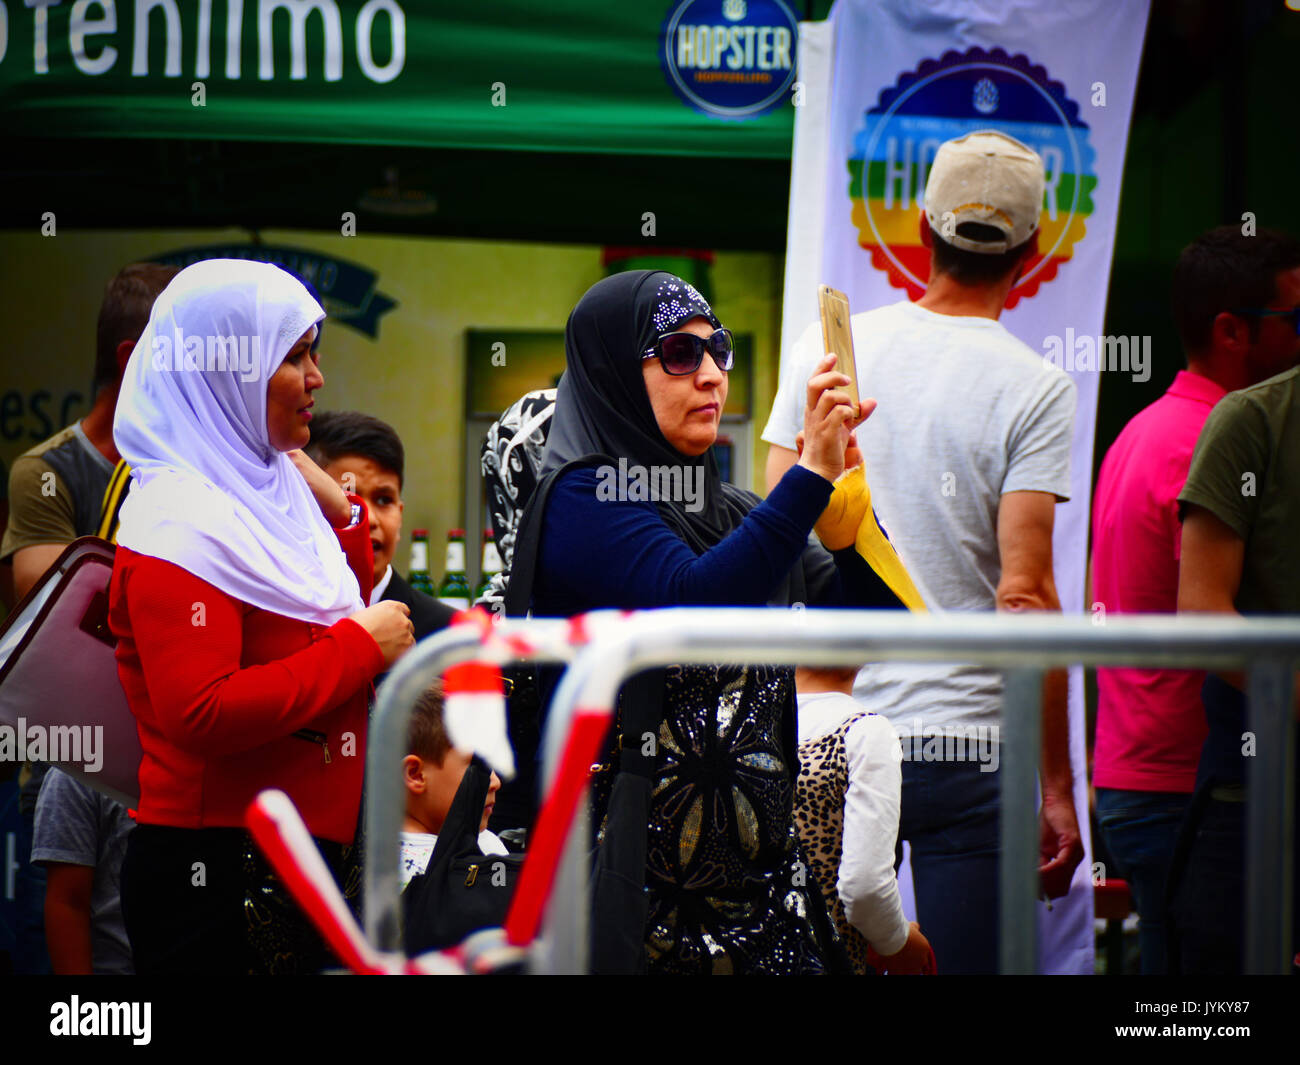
(1150, 723)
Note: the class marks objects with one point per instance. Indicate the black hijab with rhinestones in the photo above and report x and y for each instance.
(601, 407)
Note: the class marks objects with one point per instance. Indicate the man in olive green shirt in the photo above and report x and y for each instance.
(56, 489)
(1240, 554)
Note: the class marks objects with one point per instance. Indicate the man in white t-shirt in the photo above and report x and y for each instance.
(967, 455)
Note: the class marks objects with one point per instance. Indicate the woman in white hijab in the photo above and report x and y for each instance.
(237, 600)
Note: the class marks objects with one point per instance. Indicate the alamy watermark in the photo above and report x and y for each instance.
(230, 354)
(53, 743)
(651, 484)
(1089, 354)
(77, 1018)
(950, 743)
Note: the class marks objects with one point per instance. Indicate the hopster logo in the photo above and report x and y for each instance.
(1087, 354)
(951, 743)
(102, 1018)
(730, 59)
(642, 484)
(83, 744)
(229, 354)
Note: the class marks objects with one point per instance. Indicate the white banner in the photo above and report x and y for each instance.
(884, 83)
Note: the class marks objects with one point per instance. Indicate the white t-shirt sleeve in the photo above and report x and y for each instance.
(1039, 455)
(867, 885)
(786, 418)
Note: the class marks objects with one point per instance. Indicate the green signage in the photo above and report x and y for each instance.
(564, 75)
(347, 289)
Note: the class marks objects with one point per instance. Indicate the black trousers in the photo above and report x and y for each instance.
(204, 901)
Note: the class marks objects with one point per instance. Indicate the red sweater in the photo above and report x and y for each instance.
(218, 701)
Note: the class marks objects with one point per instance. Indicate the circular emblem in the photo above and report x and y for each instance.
(962, 92)
(731, 59)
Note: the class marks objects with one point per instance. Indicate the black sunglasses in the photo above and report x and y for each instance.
(682, 353)
(1293, 314)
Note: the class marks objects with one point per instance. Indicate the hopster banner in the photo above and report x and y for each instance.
(884, 83)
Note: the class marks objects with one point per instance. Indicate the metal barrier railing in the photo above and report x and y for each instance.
(504, 643)
(1023, 646)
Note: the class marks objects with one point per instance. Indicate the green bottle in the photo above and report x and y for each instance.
(454, 589)
(419, 577)
(491, 564)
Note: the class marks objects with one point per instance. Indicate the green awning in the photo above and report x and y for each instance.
(546, 75)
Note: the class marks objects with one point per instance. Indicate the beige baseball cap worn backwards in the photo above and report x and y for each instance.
(990, 178)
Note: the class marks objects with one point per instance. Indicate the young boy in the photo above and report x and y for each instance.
(432, 772)
(366, 456)
(80, 839)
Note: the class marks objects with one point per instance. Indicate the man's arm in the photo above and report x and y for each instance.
(1213, 556)
(30, 563)
(789, 405)
(1209, 574)
(779, 459)
(67, 917)
(1025, 522)
(42, 521)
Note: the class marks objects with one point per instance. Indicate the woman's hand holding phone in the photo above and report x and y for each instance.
(827, 445)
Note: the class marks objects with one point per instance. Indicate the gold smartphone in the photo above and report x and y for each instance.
(838, 337)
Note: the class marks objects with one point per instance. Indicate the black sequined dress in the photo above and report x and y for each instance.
(727, 889)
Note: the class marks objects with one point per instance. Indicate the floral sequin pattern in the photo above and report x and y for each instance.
(722, 852)
(676, 302)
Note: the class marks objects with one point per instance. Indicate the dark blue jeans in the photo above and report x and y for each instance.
(1207, 901)
(1140, 829)
(1207, 889)
(950, 817)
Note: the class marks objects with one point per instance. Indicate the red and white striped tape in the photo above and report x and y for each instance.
(474, 711)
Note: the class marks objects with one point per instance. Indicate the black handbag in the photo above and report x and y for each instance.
(462, 890)
(516, 807)
(619, 902)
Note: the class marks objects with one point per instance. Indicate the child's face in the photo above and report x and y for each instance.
(431, 789)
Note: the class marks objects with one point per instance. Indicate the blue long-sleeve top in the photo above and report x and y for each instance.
(599, 553)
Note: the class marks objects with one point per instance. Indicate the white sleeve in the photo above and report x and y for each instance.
(786, 418)
(867, 886)
(1041, 439)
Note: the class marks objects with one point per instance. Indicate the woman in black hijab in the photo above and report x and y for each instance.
(644, 389)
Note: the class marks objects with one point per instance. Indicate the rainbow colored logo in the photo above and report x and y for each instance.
(946, 98)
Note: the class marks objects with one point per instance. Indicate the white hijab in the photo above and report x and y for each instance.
(210, 493)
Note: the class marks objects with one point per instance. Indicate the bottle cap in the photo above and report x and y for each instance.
(454, 533)
(417, 533)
